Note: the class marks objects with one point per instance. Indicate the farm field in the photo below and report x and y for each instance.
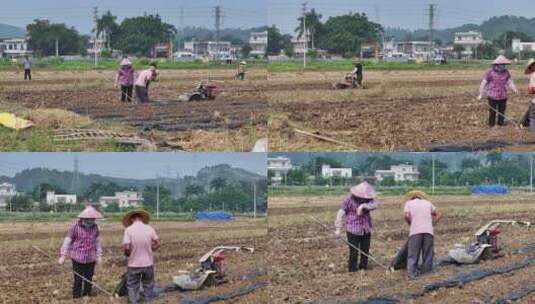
(307, 263)
(409, 110)
(232, 122)
(34, 278)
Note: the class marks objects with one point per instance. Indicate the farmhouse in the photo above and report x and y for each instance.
(52, 198)
(400, 173)
(14, 48)
(124, 199)
(328, 172)
(278, 167)
(469, 40)
(212, 49)
(520, 46)
(7, 191)
(258, 42)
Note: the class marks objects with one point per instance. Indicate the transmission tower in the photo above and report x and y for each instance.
(75, 182)
(95, 20)
(432, 11)
(218, 19)
(305, 43)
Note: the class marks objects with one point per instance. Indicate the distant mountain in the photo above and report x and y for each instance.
(26, 180)
(9, 31)
(490, 28)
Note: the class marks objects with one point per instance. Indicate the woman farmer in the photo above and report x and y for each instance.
(142, 83)
(530, 71)
(125, 79)
(494, 86)
(354, 216)
(82, 245)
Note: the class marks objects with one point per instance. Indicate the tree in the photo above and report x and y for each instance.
(505, 39)
(139, 35)
(486, 51)
(470, 163)
(344, 34)
(43, 36)
(494, 158)
(113, 207)
(108, 26)
(459, 49)
(388, 181)
(150, 197)
(193, 190)
(218, 183)
(39, 191)
(20, 203)
(275, 41)
(313, 25)
(246, 50)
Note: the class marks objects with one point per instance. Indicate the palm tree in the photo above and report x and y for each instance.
(313, 25)
(107, 24)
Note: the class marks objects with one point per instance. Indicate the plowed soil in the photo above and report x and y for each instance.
(399, 110)
(30, 277)
(240, 106)
(307, 263)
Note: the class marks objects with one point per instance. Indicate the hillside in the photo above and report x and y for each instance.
(8, 31)
(490, 28)
(27, 180)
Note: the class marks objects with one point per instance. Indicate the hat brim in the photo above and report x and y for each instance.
(127, 218)
(357, 194)
(417, 194)
(528, 70)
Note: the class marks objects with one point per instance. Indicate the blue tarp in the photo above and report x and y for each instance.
(213, 216)
(490, 190)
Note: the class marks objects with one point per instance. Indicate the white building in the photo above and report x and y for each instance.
(299, 45)
(469, 40)
(101, 45)
(258, 42)
(211, 49)
(400, 173)
(328, 172)
(7, 191)
(519, 46)
(123, 199)
(279, 166)
(14, 48)
(52, 198)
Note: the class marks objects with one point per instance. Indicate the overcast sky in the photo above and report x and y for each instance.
(410, 14)
(132, 165)
(79, 13)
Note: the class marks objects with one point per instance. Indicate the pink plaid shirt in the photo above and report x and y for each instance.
(354, 223)
(81, 244)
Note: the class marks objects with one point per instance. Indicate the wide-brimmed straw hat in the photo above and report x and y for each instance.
(144, 214)
(364, 190)
(90, 213)
(417, 194)
(501, 60)
(530, 64)
(126, 61)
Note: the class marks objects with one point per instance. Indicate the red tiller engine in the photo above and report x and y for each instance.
(490, 237)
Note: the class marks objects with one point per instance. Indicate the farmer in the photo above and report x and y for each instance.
(354, 215)
(356, 74)
(530, 70)
(241, 70)
(27, 64)
(494, 86)
(82, 245)
(125, 79)
(421, 215)
(142, 83)
(139, 242)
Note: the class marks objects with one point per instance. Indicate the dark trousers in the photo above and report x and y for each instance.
(420, 244)
(361, 242)
(126, 93)
(241, 76)
(82, 288)
(137, 276)
(142, 94)
(497, 106)
(357, 81)
(27, 74)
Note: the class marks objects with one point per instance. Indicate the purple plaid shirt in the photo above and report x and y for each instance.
(497, 84)
(355, 224)
(84, 246)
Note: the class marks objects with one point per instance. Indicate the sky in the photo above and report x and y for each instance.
(132, 165)
(408, 14)
(79, 13)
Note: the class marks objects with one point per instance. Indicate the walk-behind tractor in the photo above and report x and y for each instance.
(486, 245)
(204, 91)
(211, 272)
(347, 83)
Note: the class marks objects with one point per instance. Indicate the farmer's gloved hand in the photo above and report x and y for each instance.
(479, 97)
(61, 260)
(360, 210)
(516, 91)
(337, 232)
(99, 260)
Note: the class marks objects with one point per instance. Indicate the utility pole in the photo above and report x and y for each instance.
(433, 173)
(254, 199)
(57, 47)
(75, 175)
(158, 200)
(217, 12)
(531, 173)
(432, 10)
(305, 43)
(95, 42)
